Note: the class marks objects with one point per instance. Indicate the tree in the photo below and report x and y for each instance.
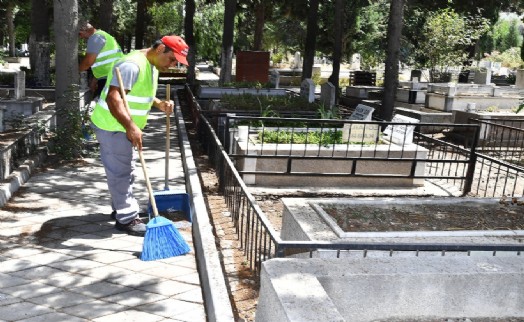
(226, 61)
(10, 7)
(337, 46)
(396, 14)
(167, 17)
(448, 36)
(105, 21)
(190, 40)
(39, 43)
(66, 40)
(140, 27)
(311, 37)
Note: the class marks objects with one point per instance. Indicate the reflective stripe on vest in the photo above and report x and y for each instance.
(139, 98)
(107, 56)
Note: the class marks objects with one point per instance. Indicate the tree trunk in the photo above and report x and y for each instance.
(66, 41)
(259, 25)
(141, 8)
(226, 61)
(337, 47)
(311, 38)
(39, 44)
(190, 41)
(10, 17)
(106, 16)
(396, 13)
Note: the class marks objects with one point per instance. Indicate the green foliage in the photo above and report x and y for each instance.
(208, 21)
(67, 139)
(510, 58)
(447, 36)
(249, 102)
(329, 113)
(506, 34)
(371, 36)
(167, 17)
(246, 84)
(320, 137)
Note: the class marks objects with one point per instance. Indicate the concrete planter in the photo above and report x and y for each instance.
(204, 92)
(337, 169)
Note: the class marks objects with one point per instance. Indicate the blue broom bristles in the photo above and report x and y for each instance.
(162, 240)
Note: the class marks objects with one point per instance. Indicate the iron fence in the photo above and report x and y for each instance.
(261, 242)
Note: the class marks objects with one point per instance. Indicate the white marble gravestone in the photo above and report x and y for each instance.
(307, 90)
(362, 113)
(19, 85)
(401, 133)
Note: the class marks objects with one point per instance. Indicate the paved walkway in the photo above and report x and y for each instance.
(62, 260)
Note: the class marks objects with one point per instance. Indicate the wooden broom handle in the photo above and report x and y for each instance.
(142, 161)
(168, 143)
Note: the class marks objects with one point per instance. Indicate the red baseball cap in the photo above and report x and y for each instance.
(179, 47)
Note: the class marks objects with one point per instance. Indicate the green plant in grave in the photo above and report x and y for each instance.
(320, 137)
(67, 139)
(327, 113)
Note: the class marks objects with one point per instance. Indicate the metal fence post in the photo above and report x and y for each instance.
(470, 174)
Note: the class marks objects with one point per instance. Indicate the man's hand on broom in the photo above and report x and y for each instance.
(166, 106)
(134, 135)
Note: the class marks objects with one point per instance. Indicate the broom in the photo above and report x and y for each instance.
(162, 239)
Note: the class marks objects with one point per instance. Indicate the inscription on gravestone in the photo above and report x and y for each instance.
(401, 133)
(362, 113)
(307, 90)
(360, 133)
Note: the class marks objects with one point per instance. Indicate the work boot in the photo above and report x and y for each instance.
(113, 215)
(136, 227)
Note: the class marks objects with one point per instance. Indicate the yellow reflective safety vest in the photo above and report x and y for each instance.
(140, 97)
(110, 53)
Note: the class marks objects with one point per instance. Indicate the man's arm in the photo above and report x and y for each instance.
(165, 106)
(121, 113)
(87, 62)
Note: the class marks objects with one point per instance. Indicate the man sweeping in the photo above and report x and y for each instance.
(118, 129)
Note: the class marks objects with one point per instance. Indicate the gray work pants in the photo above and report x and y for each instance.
(118, 158)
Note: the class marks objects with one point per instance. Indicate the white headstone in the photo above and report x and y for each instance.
(307, 90)
(274, 78)
(297, 61)
(360, 133)
(362, 113)
(20, 85)
(327, 95)
(401, 133)
(519, 82)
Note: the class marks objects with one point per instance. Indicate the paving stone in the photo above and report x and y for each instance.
(76, 265)
(170, 271)
(193, 278)
(94, 309)
(134, 280)
(34, 289)
(110, 257)
(194, 296)
(138, 265)
(170, 308)
(16, 264)
(22, 251)
(169, 288)
(8, 280)
(196, 314)
(6, 299)
(105, 272)
(130, 316)
(37, 273)
(61, 300)
(49, 257)
(100, 289)
(134, 298)
(69, 280)
(54, 317)
(22, 311)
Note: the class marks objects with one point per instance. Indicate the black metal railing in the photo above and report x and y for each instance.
(260, 241)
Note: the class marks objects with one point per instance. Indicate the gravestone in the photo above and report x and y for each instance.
(362, 113)
(519, 82)
(274, 78)
(307, 90)
(297, 61)
(415, 73)
(19, 85)
(401, 133)
(360, 133)
(327, 95)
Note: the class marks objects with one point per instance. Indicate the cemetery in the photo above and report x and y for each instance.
(344, 171)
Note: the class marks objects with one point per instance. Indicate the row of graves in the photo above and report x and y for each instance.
(373, 159)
